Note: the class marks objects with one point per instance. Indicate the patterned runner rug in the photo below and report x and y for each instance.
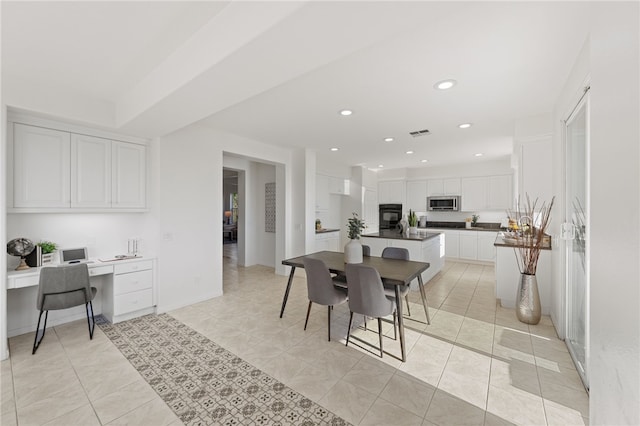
(203, 383)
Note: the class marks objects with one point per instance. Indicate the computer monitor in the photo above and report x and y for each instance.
(75, 255)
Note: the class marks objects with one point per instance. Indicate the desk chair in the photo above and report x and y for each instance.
(321, 290)
(367, 297)
(397, 253)
(340, 280)
(63, 287)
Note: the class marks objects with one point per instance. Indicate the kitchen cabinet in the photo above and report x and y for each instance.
(487, 193)
(328, 241)
(449, 186)
(469, 245)
(370, 212)
(486, 249)
(41, 167)
(391, 192)
(322, 193)
(90, 171)
(129, 175)
(452, 244)
(338, 186)
(417, 195)
(59, 171)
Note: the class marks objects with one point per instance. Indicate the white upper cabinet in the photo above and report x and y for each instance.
(90, 171)
(449, 186)
(322, 192)
(338, 186)
(41, 172)
(391, 192)
(417, 195)
(129, 175)
(56, 170)
(474, 194)
(487, 193)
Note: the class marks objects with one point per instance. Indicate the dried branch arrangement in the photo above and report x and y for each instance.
(531, 235)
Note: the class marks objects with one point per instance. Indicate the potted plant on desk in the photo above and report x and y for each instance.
(353, 249)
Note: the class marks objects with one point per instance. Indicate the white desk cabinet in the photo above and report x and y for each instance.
(132, 292)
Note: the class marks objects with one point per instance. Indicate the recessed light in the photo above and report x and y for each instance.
(334, 149)
(445, 84)
(346, 112)
(380, 166)
(465, 125)
(388, 139)
(409, 152)
(479, 154)
(423, 161)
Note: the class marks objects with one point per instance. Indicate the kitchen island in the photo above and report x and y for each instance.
(424, 247)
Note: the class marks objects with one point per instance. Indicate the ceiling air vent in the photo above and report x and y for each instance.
(420, 133)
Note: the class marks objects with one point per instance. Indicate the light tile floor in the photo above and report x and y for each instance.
(476, 364)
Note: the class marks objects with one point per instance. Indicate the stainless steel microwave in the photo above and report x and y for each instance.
(443, 203)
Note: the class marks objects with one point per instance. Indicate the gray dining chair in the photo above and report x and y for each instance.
(340, 280)
(402, 254)
(63, 287)
(367, 297)
(321, 289)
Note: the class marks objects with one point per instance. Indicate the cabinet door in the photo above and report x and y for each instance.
(469, 245)
(129, 175)
(41, 167)
(391, 192)
(322, 243)
(435, 187)
(452, 244)
(417, 195)
(451, 186)
(474, 194)
(370, 212)
(322, 192)
(338, 186)
(90, 171)
(486, 249)
(500, 193)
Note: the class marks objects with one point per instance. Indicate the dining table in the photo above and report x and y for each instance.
(397, 272)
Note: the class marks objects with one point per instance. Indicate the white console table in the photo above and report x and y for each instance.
(126, 289)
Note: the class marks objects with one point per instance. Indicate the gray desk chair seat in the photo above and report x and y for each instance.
(367, 297)
(340, 280)
(389, 289)
(321, 290)
(63, 287)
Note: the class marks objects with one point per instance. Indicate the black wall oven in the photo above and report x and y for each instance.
(390, 215)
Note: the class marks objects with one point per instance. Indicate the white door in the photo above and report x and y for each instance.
(577, 220)
(41, 167)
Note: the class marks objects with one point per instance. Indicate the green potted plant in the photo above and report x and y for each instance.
(474, 219)
(353, 249)
(413, 222)
(48, 250)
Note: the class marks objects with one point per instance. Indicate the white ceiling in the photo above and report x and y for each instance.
(279, 72)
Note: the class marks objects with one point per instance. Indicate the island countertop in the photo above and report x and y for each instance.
(395, 235)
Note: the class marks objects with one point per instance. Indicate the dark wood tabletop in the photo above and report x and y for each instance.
(396, 270)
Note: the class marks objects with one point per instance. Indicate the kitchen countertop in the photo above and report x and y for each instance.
(325, 230)
(461, 226)
(395, 235)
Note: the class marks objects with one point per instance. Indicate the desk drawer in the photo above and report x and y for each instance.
(32, 280)
(134, 281)
(125, 268)
(131, 302)
(100, 270)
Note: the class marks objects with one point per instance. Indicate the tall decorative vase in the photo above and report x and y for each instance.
(353, 252)
(528, 307)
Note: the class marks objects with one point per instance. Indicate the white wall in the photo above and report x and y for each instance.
(4, 349)
(615, 250)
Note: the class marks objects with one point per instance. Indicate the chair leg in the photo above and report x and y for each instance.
(91, 323)
(308, 311)
(408, 307)
(395, 335)
(349, 329)
(423, 295)
(36, 341)
(329, 308)
(380, 335)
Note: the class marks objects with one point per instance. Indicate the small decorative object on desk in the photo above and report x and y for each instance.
(353, 249)
(20, 247)
(530, 242)
(413, 222)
